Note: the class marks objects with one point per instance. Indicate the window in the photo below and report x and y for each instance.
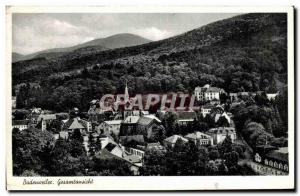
(271, 163)
(286, 168)
(280, 166)
(266, 162)
(257, 158)
(275, 164)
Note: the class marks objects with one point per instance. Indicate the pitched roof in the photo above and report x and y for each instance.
(156, 146)
(213, 89)
(20, 122)
(113, 122)
(105, 154)
(184, 115)
(128, 138)
(280, 155)
(110, 146)
(153, 117)
(173, 139)
(144, 121)
(197, 135)
(73, 124)
(133, 158)
(132, 119)
(221, 130)
(47, 117)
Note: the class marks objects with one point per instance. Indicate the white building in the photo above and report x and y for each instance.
(199, 138)
(220, 133)
(171, 141)
(110, 126)
(270, 162)
(20, 124)
(272, 96)
(208, 93)
(206, 109)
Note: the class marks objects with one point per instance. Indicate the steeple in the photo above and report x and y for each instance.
(126, 97)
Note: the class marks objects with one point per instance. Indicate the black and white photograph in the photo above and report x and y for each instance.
(150, 94)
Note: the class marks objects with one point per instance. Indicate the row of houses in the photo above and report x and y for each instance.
(212, 94)
(212, 137)
(270, 160)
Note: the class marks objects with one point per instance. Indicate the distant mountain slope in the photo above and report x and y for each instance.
(246, 52)
(117, 41)
(111, 42)
(17, 57)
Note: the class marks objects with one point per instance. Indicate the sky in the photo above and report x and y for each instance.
(34, 32)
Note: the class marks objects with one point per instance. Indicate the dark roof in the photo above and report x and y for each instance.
(186, 115)
(145, 120)
(20, 122)
(128, 138)
(73, 124)
(213, 89)
(105, 154)
(208, 106)
(265, 148)
(110, 146)
(278, 155)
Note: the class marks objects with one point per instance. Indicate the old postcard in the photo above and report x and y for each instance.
(150, 98)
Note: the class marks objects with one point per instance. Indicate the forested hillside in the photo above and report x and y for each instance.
(247, 52)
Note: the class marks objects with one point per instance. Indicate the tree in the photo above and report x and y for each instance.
(231, 159)
(76, 148)
(169, 122)
(62, 161)
(111, 167)
(209, 121)
(226, 146)
(214, 154)
(94, 145)
(154, 163)
(28, 149)
(54, 126)
(222, 122)
(77, 135)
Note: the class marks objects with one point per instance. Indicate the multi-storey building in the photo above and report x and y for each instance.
(208, 93)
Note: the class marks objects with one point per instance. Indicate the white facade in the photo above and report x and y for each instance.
(272, 96)
(137, 152)
(267, 166)
(20, 127)
(207, 93)
(110, 127)
(200, 138)
(219, 134)
(205, 111)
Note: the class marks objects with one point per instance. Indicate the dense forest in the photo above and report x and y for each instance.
(243, 53)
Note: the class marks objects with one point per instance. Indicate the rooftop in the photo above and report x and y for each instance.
(221, 130)
(47, 117)
(113, 122)
(197, 135)
(20, 122)
(132, 119)
(184, 115)
(133, 158)
(73, 124)
(280, 154)
(173, 139)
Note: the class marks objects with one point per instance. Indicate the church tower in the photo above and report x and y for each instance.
(127, 110)
(126, 95)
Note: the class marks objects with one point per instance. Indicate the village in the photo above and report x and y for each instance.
(125, 133)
